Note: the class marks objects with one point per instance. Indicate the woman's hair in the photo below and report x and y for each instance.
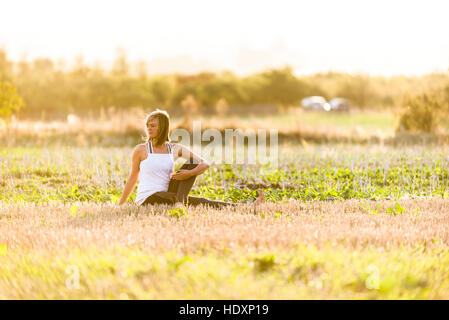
(164, 125)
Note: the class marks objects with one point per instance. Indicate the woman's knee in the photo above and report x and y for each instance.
(161, 198)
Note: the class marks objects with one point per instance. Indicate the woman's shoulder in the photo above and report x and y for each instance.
(140, 148)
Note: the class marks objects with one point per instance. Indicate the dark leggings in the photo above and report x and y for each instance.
(178, 191)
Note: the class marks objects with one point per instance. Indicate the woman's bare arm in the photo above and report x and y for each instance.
(133, 176)
(181, 151)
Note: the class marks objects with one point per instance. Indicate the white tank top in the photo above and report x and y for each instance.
(154, 175)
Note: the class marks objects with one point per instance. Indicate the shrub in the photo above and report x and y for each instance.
(420, 112)
(10, 101)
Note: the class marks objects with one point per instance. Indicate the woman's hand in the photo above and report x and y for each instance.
(181, 174)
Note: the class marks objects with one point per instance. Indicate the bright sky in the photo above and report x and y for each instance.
(377, 37)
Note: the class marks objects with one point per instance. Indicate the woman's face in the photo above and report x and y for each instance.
(153, 127)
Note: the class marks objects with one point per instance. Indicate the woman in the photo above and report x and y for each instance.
(153, 162)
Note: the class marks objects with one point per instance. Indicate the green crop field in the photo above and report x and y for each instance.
(341, 221)
(303, 173)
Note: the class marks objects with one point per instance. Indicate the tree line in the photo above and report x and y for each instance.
(46, 86)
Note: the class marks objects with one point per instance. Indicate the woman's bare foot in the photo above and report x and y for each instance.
(260, 199)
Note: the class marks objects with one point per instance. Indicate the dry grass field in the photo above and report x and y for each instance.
(295, 250)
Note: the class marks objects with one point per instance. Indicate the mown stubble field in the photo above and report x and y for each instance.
(294, 250)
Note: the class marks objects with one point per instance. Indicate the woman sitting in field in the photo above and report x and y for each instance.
(153, 163)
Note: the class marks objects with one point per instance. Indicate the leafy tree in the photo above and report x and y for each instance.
(277, 86)
(46, 86)
(162, 89)
(358, 90)
(10, 101)
(421, 112)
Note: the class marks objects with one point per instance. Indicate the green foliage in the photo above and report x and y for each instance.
(277, 215)
(46, 87)
(3, 249)
(278, 86)
(175, 263)
(97, 175)
(421, 113)
(358, 89)
(10, 101)
(377, 209)
(264, 262)
(115, 198)
(178, 213)
(73, 211)
(396, 209)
